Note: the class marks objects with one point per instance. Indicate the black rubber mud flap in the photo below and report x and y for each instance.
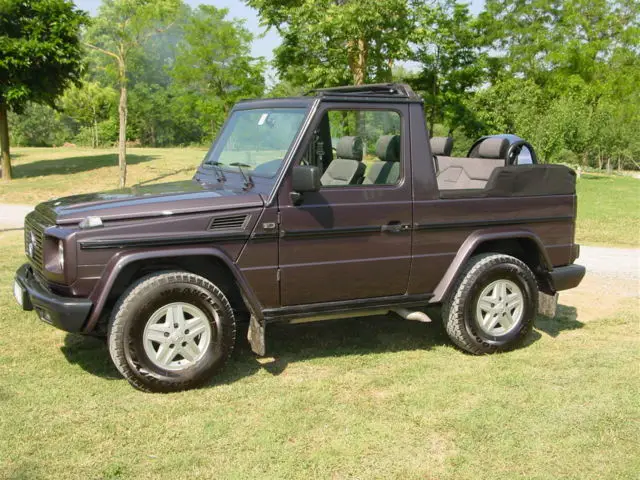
(255, 335)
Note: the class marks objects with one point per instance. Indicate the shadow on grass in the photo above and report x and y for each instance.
(72, 165)
(91, 354)
(566, 319)
(588, 176)
(288, 344)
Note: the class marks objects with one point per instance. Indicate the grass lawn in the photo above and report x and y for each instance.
(363, 398)
(44, 173)
(608, 210)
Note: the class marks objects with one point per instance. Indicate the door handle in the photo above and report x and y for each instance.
(395, 227)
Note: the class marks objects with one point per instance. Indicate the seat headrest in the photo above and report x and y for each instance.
(349, 148)
(493, 148)
(388, 148)
(441, 146)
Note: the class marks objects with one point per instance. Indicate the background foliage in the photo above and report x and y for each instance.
(562, 74)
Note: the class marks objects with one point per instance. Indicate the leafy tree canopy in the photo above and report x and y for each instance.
(337, 42)
(41, 50)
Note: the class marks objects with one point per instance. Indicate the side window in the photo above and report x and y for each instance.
(357, 147)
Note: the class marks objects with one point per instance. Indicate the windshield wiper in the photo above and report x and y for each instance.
(218, 169)
(248, 183)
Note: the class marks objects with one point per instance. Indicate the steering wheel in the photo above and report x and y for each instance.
(516, 148)
(268, 169)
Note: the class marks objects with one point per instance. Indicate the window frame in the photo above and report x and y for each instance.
(328, 107)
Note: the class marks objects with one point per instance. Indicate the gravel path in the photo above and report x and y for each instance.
(12, 216)
(613, 262)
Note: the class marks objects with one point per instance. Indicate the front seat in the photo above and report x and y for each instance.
(387, 170)
(347, 168)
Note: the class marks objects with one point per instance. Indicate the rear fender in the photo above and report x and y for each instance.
(471, 244)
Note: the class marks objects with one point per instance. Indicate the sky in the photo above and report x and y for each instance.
(262, 46)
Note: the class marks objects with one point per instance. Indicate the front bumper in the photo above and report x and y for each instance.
(65, 313)
(567, 277)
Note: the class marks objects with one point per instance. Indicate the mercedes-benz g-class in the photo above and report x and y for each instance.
(329, 205)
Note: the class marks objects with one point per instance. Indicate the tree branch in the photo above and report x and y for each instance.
(102, 50)
(157, 31)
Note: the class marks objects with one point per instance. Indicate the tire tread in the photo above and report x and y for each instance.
(122, 311)
(453, 309)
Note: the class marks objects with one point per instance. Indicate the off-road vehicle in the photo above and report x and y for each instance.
(330, 205)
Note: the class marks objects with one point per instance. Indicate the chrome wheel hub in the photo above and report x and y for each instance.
(177, 336)
(500, 307)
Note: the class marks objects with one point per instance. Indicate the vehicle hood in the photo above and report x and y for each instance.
(158, 200)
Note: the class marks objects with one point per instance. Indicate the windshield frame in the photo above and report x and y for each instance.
(305, 106)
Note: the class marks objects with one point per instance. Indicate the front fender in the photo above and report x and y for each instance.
(120, 260)
(470, 245)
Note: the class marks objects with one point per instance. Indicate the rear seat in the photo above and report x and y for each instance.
(441, 146)
(387, 170)
(455, 173)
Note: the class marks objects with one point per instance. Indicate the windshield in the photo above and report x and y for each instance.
(257, 140)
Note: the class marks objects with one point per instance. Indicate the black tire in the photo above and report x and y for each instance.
(135, 308)
(459, 308)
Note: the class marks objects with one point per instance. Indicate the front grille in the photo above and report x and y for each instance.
(34, 226)
(229, 222)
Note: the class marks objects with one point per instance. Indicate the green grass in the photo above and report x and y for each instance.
(608, 210)
(363, 398)
(44, 173)
(608, 206)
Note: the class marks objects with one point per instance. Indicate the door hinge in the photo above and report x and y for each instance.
(278, 275)
(279, 217)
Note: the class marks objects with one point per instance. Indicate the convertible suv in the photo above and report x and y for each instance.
(331, 205)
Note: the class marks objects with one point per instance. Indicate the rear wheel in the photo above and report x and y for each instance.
(493, 304)
(171, 331)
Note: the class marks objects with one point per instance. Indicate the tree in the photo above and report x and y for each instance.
(570, 70)
(337, 42)
(88, 104)
(449, 49)
(120, 30)
(214, 64)
(41, 56)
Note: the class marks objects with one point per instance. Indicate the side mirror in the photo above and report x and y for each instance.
(304, 178)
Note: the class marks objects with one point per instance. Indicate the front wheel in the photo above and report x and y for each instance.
(171, 331)
(492, 306)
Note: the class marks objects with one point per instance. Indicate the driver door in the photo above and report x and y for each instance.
(350, 240)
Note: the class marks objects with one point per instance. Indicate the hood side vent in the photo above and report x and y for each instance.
(229, 222)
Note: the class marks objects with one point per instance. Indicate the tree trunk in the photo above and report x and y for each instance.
(4, 143)
(358, 60)
(94, 128)
(434, 111)
(96, 135)
(122, 139)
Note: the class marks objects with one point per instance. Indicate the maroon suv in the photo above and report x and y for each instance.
(330, 205)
